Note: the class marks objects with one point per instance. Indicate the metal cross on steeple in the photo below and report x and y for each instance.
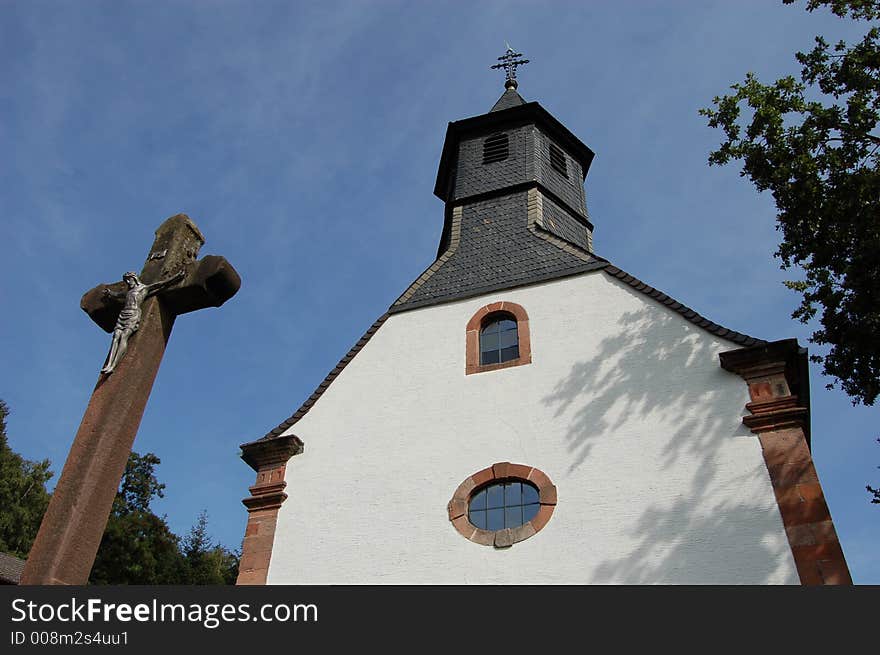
(509, 63)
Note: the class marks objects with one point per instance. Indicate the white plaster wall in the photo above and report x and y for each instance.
(624, 406)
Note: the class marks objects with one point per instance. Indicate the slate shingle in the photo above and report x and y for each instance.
(510, 98)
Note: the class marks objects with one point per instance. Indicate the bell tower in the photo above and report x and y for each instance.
(512, 180)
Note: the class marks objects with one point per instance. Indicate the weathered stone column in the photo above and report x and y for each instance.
(70, 533)
(777, 377)
(268, 457)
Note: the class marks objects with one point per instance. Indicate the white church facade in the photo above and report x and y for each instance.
(564, 423)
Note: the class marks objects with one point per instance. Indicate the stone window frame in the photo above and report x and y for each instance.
(475, 325)
(457, 508)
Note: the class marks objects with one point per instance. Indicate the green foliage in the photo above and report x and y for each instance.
(810, 142)
(138, 547)
(139, 485)
(23, 495)
(207, 563)
(874, 492)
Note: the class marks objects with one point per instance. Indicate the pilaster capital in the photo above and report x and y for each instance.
(777, 375)
(266, 453)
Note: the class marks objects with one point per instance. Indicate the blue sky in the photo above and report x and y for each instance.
(303, 139)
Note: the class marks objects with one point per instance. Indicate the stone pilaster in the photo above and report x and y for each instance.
(268, 457)
(777, 377)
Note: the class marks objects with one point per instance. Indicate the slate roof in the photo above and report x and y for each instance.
(496, 249)
(700, 321)
(510, 98)
(11, 568)
(307, 405)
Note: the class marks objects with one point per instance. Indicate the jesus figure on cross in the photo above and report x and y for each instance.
(130, 317)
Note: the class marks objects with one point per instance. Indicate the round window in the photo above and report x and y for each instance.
(502, 504)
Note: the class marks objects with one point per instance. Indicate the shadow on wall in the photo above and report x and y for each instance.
(656, 369)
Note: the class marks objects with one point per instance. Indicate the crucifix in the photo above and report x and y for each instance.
(509, 62)
(139, 311)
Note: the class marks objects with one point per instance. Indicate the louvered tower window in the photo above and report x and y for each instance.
(495, 148)
(557, 159)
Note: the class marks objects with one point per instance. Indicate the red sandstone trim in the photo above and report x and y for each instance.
(472, 337)
(780, 419)
(269, 459)
(457, 508)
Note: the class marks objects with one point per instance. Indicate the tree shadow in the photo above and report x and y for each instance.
(647, 368)
(680, 543)
(658, 370)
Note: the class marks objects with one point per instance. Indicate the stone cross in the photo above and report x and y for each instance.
(67, 542)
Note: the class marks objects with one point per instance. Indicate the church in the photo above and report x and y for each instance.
(528, 413)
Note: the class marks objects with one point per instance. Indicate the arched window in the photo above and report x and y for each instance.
(499, 340)
(497, 336)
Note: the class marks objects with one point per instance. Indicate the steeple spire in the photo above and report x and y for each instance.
(512, 180)
(509, 63)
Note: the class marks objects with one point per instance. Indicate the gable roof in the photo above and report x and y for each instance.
(498, 240)
(607, 267)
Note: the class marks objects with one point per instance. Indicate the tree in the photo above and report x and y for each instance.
(138, 547)
(23, 495)
(874, 492)
(138, 485)
(207, 563)
(813, 144)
